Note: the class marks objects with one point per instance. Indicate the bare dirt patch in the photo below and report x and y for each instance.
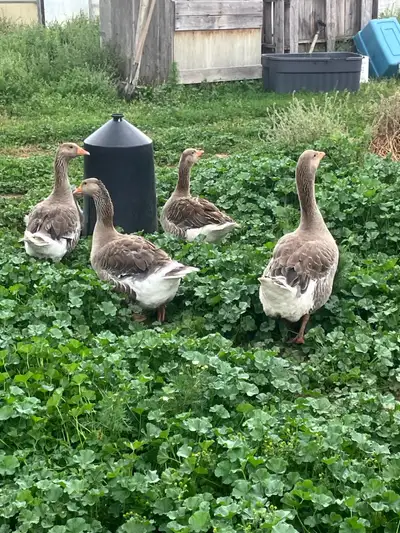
(24, 151)
(12, 196)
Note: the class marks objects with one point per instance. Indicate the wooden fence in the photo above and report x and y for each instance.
(207, 39)
(218, 40)
(290, 25)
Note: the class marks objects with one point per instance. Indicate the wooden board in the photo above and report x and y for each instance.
(279, 26)
(330, 25)
(267, 24)
(250, 72)
(294, 27)
(222, 48)
(159, 46)
(193, 8)
(366, 12)
(218, 15)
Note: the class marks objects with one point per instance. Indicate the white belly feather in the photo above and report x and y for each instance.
(41, 245)
(280, 300)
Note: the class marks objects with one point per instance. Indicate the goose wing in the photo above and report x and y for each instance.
(130, 256)
(299, 262)
(194, 212)
(58, 221)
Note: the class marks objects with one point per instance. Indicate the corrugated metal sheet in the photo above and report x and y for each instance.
(17, 11)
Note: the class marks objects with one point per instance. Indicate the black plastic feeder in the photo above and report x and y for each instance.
(121, 156)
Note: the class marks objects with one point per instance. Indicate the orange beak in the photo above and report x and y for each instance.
(199, 153)
(78, 190)
(321, 155)
(81, 151)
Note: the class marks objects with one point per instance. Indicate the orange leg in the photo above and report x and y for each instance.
(299, 339)
(161, 313)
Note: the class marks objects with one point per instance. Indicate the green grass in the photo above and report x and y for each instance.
(210, 422)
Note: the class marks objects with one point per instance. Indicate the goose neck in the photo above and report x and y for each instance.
(183, 186)
(62, 188)
(311, 218)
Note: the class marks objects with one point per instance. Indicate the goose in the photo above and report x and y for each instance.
(53, 227)
(132, 264)
(299, 277)
(186, 216)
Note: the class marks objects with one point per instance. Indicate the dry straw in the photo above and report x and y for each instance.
(386, 128)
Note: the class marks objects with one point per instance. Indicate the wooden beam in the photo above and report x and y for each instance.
(267, 23)
(217, 22)
(294, 27)
(159, 46)
(191, 8)
(330, 30)
(250, 72)
(366, 12)
(279, 26)
(105, 21)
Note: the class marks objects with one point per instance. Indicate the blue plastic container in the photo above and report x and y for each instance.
(380, 40)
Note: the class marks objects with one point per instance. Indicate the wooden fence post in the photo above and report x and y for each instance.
(294, 27)
(279, 26)
(267, 24)
(330, 29)
(119, 25)
(366, 12)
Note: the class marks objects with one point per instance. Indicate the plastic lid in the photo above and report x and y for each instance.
(117, 133)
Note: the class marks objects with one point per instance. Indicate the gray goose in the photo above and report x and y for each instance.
(53, 227)
(298, 279)
(186, 216)
(132, 264)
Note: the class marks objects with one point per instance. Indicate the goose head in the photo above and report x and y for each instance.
(90, 187)
(310, 159)
(190, 156)
(70, 150)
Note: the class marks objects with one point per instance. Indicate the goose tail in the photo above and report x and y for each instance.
(212, 233)
(37, 240)
(179, 271)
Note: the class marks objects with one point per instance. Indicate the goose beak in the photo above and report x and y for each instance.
(199, 153)
(78, 190)
(321, 155)
(81, 151)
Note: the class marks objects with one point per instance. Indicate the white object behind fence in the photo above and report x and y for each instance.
(364, 69)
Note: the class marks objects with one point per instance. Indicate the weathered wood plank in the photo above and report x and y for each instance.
(218, 48)
(286, 18)
(279, 26)
(218, 7)
(330, 25)
(221, 74)
(158, 51)
(105, 21)
(267, 24)
(217, 22)
(123, 30)
(294, 27)
(366, 12)
(343, 16)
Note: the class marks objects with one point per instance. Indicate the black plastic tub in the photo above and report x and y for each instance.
(316, 72)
